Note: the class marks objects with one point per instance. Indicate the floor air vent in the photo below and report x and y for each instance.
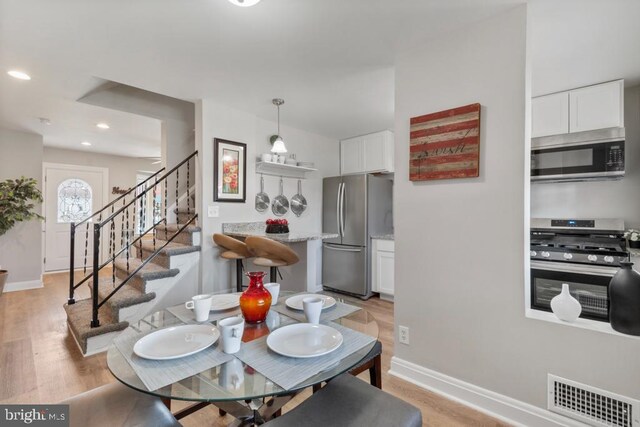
(591, 405)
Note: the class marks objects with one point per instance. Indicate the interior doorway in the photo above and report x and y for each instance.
(72, 193)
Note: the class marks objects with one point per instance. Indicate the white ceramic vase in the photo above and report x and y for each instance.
(566, 307)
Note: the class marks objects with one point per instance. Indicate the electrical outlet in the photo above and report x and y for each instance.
(403, 334)
(213, 211)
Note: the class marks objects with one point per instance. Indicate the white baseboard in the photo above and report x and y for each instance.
(489, 402)
(23, 286)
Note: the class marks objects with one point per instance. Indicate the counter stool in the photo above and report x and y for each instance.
(235, 250)
(272, 254)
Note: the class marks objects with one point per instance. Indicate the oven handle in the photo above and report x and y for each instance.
(574, 268)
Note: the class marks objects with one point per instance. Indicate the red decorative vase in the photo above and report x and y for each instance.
(256, 300)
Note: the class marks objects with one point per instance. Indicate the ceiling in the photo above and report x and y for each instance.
(331, 60)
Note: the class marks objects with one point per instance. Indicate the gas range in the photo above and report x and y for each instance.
(597, 242)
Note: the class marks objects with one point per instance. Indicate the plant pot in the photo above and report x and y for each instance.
(624, 300)
(3, 279)
(634, 244)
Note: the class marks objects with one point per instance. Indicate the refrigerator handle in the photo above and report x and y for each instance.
(341, 248)
(338, 210)
(342, 209)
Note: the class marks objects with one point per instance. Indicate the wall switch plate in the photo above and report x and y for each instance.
(403, 334)
(213, 211)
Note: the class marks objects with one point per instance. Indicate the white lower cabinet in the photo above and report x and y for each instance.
(382, 267)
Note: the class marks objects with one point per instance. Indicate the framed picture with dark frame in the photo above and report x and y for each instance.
(229, 171)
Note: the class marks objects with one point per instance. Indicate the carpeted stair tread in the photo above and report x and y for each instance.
(150, 271)
(79, 317)
(175, 227)
(125, 297)
(172, 248)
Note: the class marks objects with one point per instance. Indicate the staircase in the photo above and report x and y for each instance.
(138, 272)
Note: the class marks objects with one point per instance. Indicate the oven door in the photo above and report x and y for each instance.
(588, 284)
(602, 160)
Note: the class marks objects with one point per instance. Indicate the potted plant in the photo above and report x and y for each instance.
(633, 237)
(17, 201)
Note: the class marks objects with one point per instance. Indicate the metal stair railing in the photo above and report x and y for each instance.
(133, 214)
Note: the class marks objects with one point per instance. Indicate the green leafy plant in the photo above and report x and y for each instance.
(17, 200)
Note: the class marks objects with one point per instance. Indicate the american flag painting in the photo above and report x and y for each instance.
(445, 145)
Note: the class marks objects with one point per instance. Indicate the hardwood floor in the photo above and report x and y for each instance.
(40, 362)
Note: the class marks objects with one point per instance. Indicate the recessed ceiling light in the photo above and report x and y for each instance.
(86, 143)
(19, 75)
(245, 3)
(103, 125)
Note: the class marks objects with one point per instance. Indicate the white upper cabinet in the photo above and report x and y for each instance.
(368, 153)
(597, 107)
(550, 115)
(352, 156)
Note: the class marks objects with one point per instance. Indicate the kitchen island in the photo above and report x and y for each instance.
(306, 275)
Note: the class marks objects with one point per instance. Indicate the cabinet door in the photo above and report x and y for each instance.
(352, 156)
(550, 115)
(385, 266)
(597, 107)
(374, 152)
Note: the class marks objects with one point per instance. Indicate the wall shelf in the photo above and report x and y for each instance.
(279, 169)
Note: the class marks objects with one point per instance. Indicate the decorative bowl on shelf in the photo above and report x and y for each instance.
(277, 226)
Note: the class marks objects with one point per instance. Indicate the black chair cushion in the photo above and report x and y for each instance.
(349, 401)
(118, 405)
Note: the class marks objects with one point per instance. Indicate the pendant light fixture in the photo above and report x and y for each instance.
(278, 143)
(245, 3)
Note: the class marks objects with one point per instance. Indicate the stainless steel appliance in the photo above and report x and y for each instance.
(585, 253)
(581, 156)
(354, 207)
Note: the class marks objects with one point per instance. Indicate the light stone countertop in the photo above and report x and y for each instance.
(383, 237)
(246, 229)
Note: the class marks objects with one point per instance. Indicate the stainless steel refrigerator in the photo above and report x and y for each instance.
(355, 207)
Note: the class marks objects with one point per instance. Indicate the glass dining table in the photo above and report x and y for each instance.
(235, 387)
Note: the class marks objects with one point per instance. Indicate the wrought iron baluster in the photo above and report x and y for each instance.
(166, 201)
(177, 186)
(112, 237)
(153, 212)
(188, 197)
(122, 224)
(72, 253)
(128, 237)
(86, 247)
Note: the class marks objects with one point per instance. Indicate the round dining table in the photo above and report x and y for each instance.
(235, 387)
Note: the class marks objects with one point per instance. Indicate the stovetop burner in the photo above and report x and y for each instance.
(598, 242)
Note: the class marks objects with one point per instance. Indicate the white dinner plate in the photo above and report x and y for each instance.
(225, 302)
(176, 342)
(295, 302)
(304, 340)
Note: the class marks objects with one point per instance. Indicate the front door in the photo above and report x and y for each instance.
(72, 193)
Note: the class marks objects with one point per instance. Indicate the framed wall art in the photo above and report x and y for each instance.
(445, 145)
(229, 171)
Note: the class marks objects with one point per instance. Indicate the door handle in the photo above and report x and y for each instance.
(341, 249)
(338, 210)
(342, 209)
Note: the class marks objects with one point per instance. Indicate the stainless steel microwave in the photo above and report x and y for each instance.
(586, 156)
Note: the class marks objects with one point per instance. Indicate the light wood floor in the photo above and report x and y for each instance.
(40, 363)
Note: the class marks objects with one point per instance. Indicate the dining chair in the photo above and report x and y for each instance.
(234, 250)
(373, 362)
(272, 254)
(348, 401)
(118, 405)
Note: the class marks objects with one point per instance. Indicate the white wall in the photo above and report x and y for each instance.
(20, 247)
(602, 199)
(460, 244)
(122, 170)
(217, 121)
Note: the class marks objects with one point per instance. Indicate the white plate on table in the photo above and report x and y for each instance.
(304, 340)
(176, 342)
(225, 302)
(295, 302)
